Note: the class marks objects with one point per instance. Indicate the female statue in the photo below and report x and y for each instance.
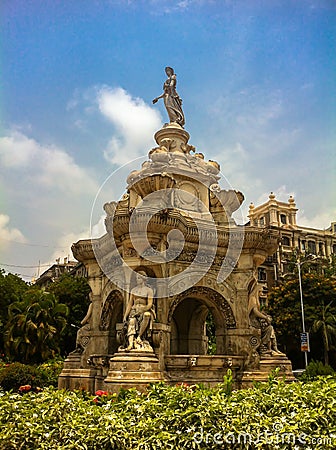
(172, 101)
(139, 315)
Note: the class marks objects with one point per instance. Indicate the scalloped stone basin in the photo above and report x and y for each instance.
(153, 183)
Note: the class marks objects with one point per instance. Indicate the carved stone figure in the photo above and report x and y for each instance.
(172, 101)
(83, 335)
(139, 316)
(263, 322)
(106, 315)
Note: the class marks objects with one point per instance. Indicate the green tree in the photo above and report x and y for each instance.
(211, 334)
(12, 288)
(325, 324)
(34, 327)
(285, 308)
(73, 292)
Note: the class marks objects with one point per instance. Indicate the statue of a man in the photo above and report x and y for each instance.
(139, 315)
(263, 322)
(172, 101)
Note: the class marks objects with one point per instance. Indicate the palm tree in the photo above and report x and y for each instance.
(326, 325)
(34, 326)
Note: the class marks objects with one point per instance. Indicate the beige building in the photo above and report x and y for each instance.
(55, 271)
(282, 216)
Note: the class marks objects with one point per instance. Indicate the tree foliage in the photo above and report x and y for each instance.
(12, 288)
(319, 291)
(34, 326)
(74, 293)
(325, 324)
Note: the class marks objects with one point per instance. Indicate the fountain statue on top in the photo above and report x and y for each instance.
(172, 100)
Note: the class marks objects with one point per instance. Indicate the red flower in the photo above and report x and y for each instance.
(25, 388)
(96, 400)
(101, 393)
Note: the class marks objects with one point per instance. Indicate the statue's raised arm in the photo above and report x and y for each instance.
(172, 101)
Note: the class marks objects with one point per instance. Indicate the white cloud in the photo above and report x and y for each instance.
(8, 234)
(98, 229)
(281, 194)
(65, 242)
(320, 221)
(48, 166)
(17, 150)
(134, 122)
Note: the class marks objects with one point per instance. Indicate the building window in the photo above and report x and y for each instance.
(321, 249)
(285, 240)
(272, 259)
(303, 246)
(262, 274)
(262, 221)
(334, 248)
(312, 247)
(283, 219)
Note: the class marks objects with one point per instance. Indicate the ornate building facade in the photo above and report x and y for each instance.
(293, 238)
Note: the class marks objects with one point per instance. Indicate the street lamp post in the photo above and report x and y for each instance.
(302, 308)
(299, 264)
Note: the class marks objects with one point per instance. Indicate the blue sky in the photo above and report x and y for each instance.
(258, 83)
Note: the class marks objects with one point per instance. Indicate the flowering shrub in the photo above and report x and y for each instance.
(14, 375)
(102, 397)
(295, 415)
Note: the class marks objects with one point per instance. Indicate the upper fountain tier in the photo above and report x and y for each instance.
(173, 156)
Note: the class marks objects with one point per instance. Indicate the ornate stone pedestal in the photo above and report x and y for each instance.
(267, 365)
(129, 369)
(75, 377)
(206, 369)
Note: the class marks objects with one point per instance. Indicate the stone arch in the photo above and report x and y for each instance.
(187, 316)
(111, 314)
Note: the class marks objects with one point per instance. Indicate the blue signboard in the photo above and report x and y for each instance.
(305, 342)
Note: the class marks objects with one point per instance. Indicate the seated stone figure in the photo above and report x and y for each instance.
(263, 322)
(139, 316)
(83, 333)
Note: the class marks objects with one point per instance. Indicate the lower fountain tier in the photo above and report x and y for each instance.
(128, 369)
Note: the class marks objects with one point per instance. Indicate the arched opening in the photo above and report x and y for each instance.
(199, 320)
(112, 313)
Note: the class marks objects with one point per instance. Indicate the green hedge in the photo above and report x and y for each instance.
(270, 416)
(314, 369)
(14, 375)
